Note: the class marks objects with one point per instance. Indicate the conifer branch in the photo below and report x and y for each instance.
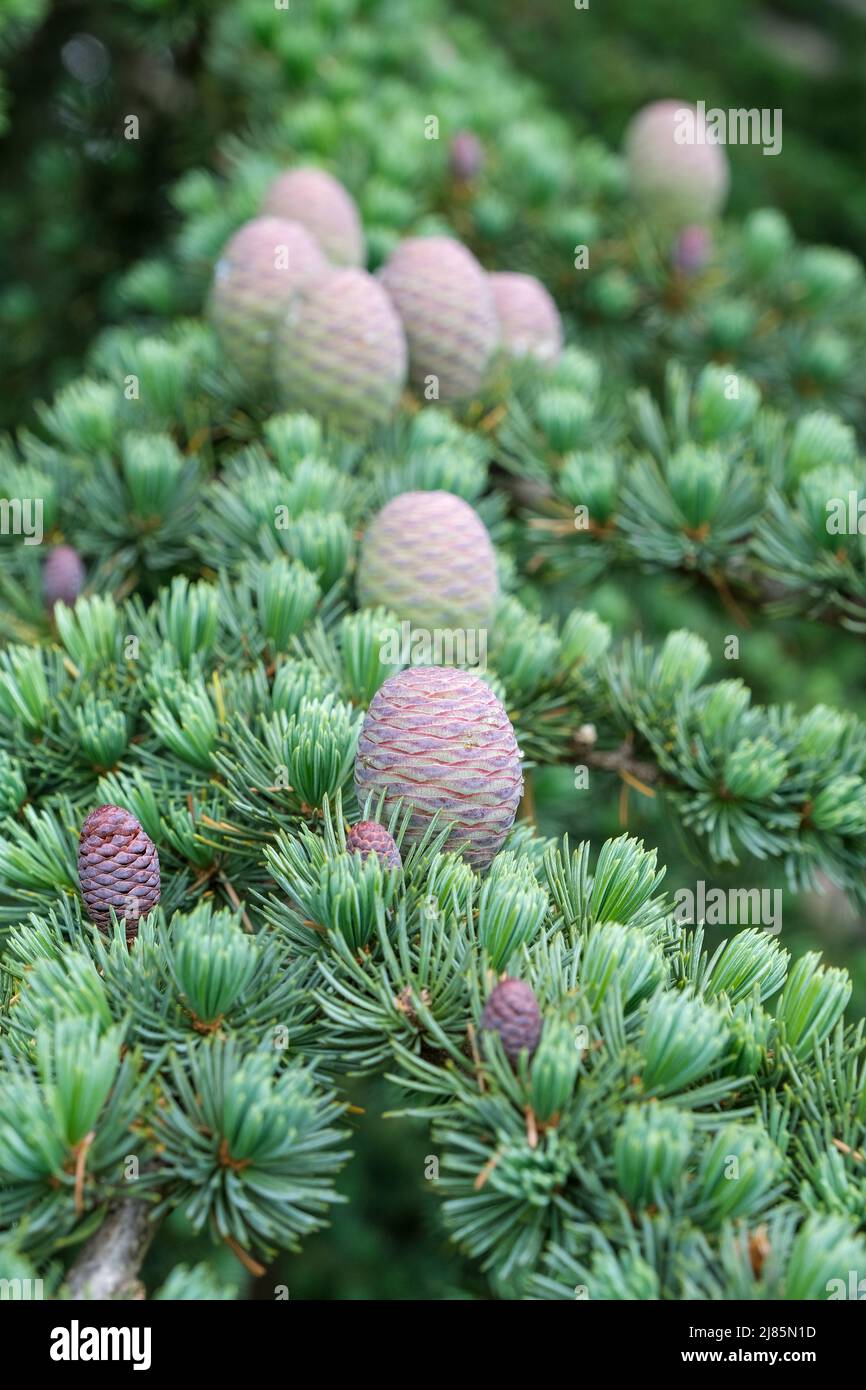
(327, 879)
(621, 760)
(109, 1264)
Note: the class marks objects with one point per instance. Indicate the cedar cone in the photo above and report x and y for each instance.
(62, 576)
(438, 740)
(692, 249)
(445, 301)
(340, 351)
(429, 557)
(118, 866)
(528, 318)
(369, 837)
(321, 204)
(677, 183)
(512, 1011)
(467, 156)
(259, 272)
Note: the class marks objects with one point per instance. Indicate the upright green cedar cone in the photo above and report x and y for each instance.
(118, 866)
(340, 351)
(321, 204)
(260, 270)
(528, 318)
(445, 301)
(428, 557)
(677, 183)
(437, 739)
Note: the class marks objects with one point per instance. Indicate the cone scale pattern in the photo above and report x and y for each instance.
(369, 837)
(321, 204)
(438, 738)
(118, 866)
(677, 183)
(528, 318)
(341, 352)
(260, 270)
(445, 301)
(62, 576)
(428, 556)
(512, 1011)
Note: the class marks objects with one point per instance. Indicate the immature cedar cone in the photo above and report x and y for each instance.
(445, 301)
(118, 866)
(467, 156)
(340, 351)
(692, 249)
(321, 204)
(512, 1011)
(369, 837)
(438, 738)
(528, 318)
(259, 271)
(677, 183)
(62, 576)
(427, 556)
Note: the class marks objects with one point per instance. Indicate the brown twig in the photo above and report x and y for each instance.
(81, 1150)
(236, 902)
(640, 774)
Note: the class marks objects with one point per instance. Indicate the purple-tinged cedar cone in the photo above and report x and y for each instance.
(62, 576)
(259, 272)
(369, 837)
(429, 558)
(528, 318)
(446, 304)
(512, 1011)
(692, 249)
(436, 738)
(321, 204)
(340, 351)
(467, 156)
(678, 183)
(118, 866)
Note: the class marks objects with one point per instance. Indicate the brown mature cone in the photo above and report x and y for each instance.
(118, 866)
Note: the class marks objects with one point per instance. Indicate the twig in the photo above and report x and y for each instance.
(80, 1164)
(622, 761)
(236, 902)
(108, 1265)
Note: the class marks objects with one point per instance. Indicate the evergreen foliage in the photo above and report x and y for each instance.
(691, 1122)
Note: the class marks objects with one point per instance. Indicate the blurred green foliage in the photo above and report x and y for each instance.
(602, 62)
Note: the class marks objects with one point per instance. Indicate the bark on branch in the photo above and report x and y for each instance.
(108, 1265)
(621, 760)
